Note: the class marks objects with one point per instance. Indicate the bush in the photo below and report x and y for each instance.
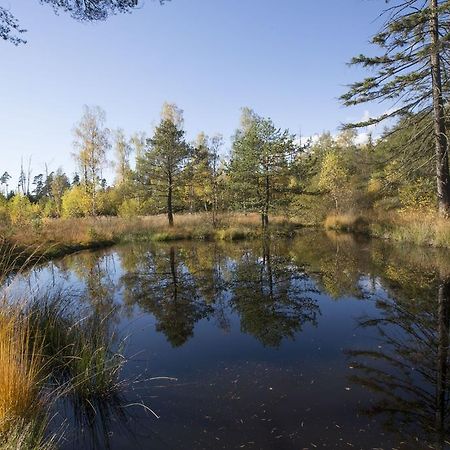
(76, 203)
(130, 208)
(22, 211)
(418, 195)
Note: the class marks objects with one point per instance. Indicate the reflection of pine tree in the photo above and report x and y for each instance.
(162, 285)
(410, 370)
(272, 296)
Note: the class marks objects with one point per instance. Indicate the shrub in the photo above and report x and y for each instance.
(130, 208)
(22, 211)
(418, 195)
(76, 202)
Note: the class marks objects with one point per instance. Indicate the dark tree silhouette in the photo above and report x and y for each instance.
(87, 10)
(161, 285)
(272, 297)
(410, 370)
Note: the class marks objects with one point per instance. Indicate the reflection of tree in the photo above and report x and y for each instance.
(335, 260)
(162, 285)
(272, 296)
(207, 265)
(410, 370)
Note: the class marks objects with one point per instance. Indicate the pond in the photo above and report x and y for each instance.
(322, 341)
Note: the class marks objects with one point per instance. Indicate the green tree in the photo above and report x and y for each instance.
(59, 185)
(161, 165)
(260, 164)
(409, 72)
(75, 202)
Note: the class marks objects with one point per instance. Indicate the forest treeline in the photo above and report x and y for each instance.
(269, 170)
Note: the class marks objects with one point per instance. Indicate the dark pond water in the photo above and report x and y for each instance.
(323, 341)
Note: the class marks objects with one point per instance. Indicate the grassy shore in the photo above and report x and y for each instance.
(56, 237)
(424, 229)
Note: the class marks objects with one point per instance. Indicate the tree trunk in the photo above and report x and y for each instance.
(440, 136)
(173, 271)
(169, 203)
(442, 359)
(265, 214)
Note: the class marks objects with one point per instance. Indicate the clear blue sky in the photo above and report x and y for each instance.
(284, 58)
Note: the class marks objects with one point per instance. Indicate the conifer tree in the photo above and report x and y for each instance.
(259, 166)
(161, 164)
(411, 71)
(90, 10)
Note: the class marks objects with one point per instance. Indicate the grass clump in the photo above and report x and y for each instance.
(20, 368)
(51, 350)
(27, 435)
(93, 365)
(423, 229)
(347, 222)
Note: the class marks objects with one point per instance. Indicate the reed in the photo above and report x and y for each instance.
(21, 369)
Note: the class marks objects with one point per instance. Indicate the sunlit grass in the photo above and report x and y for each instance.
(60, 236)
(420, 228)
(21, 368)
(346, 222)
(425, 229)
(49, 348)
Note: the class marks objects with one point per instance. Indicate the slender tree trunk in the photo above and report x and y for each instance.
(173, 271)
(442, 359)
(268, 264)
(214, 206)
(441, 142)
(169, 202)
(265, 214)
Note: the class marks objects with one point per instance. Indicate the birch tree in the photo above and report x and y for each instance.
(92, 142)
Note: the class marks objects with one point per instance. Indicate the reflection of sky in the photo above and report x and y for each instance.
(230, 386)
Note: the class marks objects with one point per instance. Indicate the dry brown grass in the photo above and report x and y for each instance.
(88, 231)
(421, 228)
(346, 222)
(20, 368)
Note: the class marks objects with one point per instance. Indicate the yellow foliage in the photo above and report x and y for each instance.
(374, 186)
(418, 195)
(76, 203)
(22, 211)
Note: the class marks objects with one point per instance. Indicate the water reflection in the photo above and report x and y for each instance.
(182, 285)
(272, 296)
(409, 369)
(367, 318)
(160, 283)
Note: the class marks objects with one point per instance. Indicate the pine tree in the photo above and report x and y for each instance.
(161, 165)
(259, 167)
(411, 72)
(92, 10)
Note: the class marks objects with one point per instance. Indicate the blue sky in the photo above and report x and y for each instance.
(284, 58)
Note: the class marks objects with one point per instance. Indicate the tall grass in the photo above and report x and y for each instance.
(21, 369)
(27, 435)
(49, 348)
(61, 236)
(419, 228)
(346, 222)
